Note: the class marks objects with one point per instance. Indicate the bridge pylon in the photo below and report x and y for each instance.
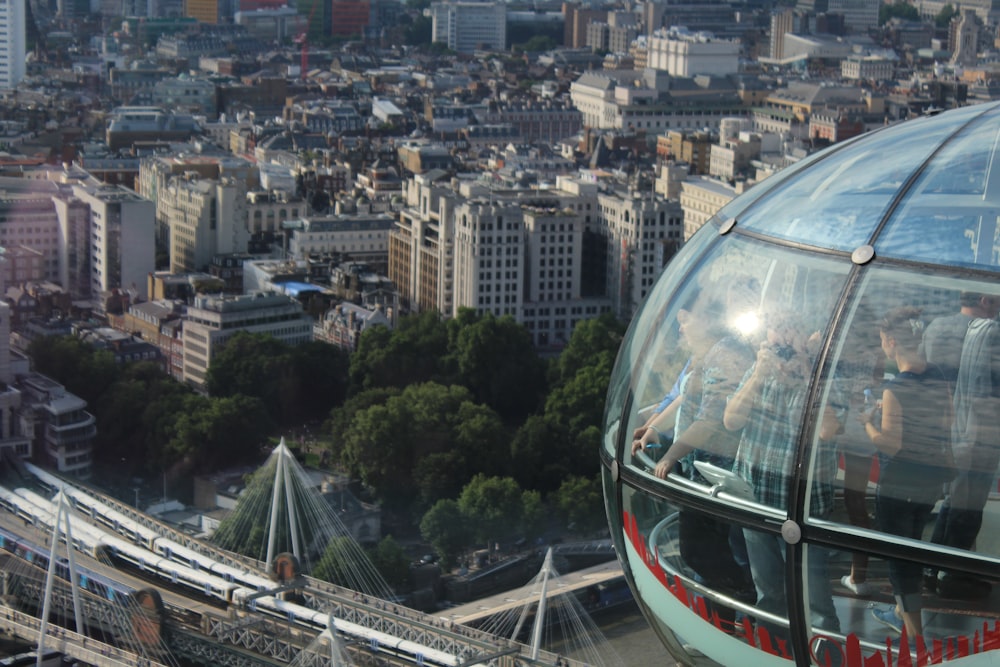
(62, 517)
(283, 483)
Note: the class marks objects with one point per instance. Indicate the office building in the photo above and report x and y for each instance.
(686, 54)
(13, 42)
(122, 245)
(212, 320)
(205, 218)
(469, 26)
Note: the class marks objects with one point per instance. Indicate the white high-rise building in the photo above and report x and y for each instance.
(122, 238)
(686, 54)
(13, 42)
(467, 26)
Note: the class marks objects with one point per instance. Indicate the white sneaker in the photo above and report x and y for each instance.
(864, 588)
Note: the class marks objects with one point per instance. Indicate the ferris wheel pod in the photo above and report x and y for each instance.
(147, 616)
(285, 567)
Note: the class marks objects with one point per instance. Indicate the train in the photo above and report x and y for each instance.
(88, 580)
(172, 562)
(152, 541)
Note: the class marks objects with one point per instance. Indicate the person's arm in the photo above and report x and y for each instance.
(700, 435)
(740, 404)
(888, 439)
(829, 425)
(659, 423)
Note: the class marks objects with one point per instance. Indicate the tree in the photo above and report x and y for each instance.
(408, 354)
(136, 416)
(899, 9)
(944, 17)
(220, 432)
(384, 444)
(440, 475)
(83, 369)
(445, 527)
(253, 364)
(592, 342)
(539, 43)
(320, 372)
(532, 447)
(580, 501)
(579, 403)
(390, 560)
(532, 514)
(494, 358)
(335, 564)
(480, 433)
(493, 506)
(342, 416)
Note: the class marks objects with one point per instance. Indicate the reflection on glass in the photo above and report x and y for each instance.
(650, 324)
(917, 369)
(945, 216)
(950, 631)
(696, 564)
(963, 239)
(839, 201)
(714, 331)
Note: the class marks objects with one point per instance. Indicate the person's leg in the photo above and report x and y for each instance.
(766, 554)
(912, 517)
(704, 545)
(822, 612)
(856, 472)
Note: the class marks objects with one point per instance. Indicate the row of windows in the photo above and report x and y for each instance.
(575, 310)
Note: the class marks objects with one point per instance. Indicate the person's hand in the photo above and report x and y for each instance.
(647, 436)
(768, 363)
(663, 468)
(868, 416)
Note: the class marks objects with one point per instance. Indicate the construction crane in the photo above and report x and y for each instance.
(303, 40)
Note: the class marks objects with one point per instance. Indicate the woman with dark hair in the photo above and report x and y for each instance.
(914, 450)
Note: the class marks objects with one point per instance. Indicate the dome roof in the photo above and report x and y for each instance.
(801, 422)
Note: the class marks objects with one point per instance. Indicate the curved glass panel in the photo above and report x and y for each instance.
(691, 568)
(917, 370)
(950, 214)
(839, 201)
(722, 401)
(865, 613)
(644, 326)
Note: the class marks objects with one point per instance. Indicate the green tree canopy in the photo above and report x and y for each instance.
(385, 444)
(409, 354)
(82, 368)
(320, 372)
(494, 358)
(390, 560)
(944, 17)
(220, 432)
(581, 503)
(294, 383)
(899, 9)
(533, 449)
(593, 342)
(336, 562)
(444, 526)
(494, 507)
(137, 416)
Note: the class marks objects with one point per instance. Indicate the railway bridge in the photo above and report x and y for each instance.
(299, 623)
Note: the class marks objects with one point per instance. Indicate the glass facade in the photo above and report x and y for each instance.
(802, 431)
